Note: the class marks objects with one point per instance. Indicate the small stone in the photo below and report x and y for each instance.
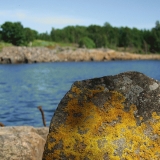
(153, 86)
(22, 142)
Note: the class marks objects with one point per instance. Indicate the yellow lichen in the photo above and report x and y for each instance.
(76, 90)
(87, 126)
(70, 95)
(155, 116)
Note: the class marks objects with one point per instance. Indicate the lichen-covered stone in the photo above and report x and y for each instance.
(108, 118)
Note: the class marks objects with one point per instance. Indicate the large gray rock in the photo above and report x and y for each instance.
(113, 117)
(22, 143)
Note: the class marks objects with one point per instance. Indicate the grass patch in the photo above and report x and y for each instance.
(50, 44)
(4, 44)
(41, 43)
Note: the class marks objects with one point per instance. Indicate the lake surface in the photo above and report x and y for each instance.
(23, 87)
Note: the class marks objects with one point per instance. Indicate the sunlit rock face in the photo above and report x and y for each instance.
(108, 118)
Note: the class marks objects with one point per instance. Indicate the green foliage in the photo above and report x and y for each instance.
(157, 27)
(0, 36)
(125, 37)
(13, 33)
(16, 34)
(86, 42)
(44, 36)
(95, 33)
(155, 38)
(57, 35)
(139, 41)
(93, 36)
(69, 34)
(30, 35)
(112, 34)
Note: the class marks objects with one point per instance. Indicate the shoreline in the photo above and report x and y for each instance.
(16, 55)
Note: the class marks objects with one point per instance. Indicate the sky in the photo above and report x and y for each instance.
(43, 15)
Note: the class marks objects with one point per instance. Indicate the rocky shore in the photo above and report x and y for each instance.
(15, 55)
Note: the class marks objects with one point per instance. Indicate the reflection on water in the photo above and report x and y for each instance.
(23, 87)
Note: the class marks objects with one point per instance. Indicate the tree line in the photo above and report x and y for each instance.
(93, 36)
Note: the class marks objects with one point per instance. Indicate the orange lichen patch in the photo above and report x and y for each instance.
(76, 90)
(87, 92)
(93, 132)
(78, 116)
(156, 124)
(92, 92)
(70, 95)
(141, 118)
(155, 116)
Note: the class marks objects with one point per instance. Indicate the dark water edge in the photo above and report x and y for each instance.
(23, 87)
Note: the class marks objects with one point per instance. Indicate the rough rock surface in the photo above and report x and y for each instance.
(41, 54)
(22, 143)
(109, 118)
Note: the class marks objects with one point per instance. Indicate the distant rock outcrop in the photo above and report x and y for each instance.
(13, 55)
(113, 117)
(22, 143)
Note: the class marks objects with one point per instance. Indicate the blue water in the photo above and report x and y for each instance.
(23, 87)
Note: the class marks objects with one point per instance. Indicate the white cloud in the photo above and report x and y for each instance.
(20, 15)
(12, 13)
(39, 21)
(58, 20)
(23, 15)
(2, 13)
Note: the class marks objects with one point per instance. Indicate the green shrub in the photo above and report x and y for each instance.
(86, 42)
